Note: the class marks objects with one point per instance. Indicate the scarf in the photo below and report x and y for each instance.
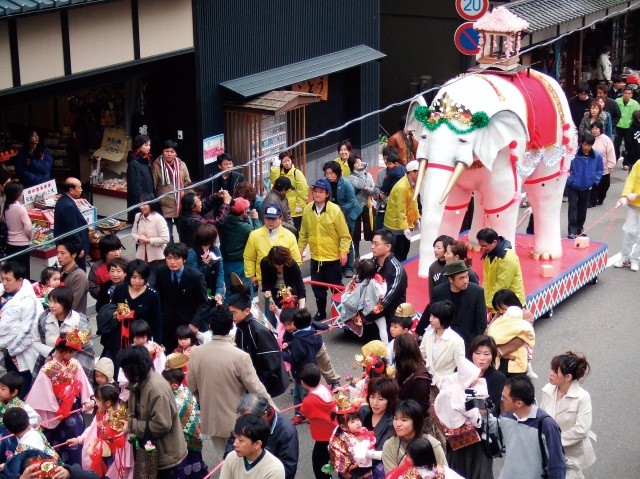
(189, 417)
(171, 176)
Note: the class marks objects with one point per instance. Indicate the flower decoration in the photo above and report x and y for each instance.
(446, 111)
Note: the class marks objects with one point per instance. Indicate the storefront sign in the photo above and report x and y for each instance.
(115, 145)
(212, 147)
(42, 190)
(319, 86)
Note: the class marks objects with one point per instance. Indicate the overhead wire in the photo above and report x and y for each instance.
(259, 159)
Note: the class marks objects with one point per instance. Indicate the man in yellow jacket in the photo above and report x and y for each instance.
(501, 268)
(260, 241)
(402, 211)
(325, 230)
(631, 197)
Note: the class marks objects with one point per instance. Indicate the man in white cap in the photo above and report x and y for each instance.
(402, 213)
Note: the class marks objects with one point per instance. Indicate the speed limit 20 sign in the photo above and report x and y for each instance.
(472, 10)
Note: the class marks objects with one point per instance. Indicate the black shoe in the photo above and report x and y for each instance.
(599, 203)
(348, 274)
(572, 236)
(591, 205)
(319, 317)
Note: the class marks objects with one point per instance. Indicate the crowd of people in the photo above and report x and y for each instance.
(208, 322)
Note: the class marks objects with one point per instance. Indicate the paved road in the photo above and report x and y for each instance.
(601, 321)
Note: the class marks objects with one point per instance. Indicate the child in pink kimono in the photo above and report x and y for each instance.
(59, 392)
(103, 451)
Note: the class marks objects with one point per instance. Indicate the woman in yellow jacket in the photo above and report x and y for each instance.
(630, 197)
(297, 198)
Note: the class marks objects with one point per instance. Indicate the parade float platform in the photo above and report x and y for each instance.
(576, 268)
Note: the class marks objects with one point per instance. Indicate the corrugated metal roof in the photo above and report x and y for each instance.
(543, 14)
(9, 8)
(276, 78)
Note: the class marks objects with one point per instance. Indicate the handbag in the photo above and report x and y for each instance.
(459, 437)
(146, 457)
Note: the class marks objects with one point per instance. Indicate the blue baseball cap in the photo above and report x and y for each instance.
(322, 183)
(272, 211)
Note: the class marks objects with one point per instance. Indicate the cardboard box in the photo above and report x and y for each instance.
(546, 271)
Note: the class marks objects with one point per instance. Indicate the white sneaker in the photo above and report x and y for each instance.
(634, 266)
(621, 264)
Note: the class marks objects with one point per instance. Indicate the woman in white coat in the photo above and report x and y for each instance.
(569, 404)
(151, 234)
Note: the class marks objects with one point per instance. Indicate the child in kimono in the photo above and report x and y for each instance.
(351, 445)
(59, 393)
(193, 466)
(103, 451)
(16, 420)
(10, 386)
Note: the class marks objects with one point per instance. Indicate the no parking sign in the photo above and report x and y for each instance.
(467, 39)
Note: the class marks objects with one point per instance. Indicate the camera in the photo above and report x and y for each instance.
(472, 401)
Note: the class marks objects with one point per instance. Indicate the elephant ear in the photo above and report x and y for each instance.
(412, 122)
(503, 127)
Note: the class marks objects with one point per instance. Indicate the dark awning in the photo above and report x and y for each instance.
(10, 8)
(543, 14)
(258, 83)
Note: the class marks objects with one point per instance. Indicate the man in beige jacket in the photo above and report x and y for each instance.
(219, 375)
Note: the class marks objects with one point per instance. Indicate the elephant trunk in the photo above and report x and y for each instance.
(432, 189)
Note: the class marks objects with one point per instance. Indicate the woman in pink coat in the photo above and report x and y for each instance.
(151, 234)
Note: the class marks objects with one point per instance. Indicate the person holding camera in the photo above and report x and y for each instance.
(461, 405)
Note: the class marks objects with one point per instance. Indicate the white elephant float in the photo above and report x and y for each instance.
(487, 134)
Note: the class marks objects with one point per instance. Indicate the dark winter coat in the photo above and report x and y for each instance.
(301, 351)
(256, 340)
(139, 181)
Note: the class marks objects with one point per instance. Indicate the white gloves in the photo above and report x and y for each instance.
(407, 234)
(297, 209)
(621, 202)
(632, 196)
(416, 225)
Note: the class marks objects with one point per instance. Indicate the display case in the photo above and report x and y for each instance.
(270, 140)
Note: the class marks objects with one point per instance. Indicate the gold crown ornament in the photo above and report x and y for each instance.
(75, 339)
(118, 416)
(346, 405)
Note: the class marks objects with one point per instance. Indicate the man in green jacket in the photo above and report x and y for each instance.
(627, 106)
(233, 237)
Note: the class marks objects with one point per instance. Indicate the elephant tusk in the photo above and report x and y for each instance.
(421, 170)
(459, 169)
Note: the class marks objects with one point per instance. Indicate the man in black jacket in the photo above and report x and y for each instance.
(227, 181)
(393, 274)
(283, 440)
(471, 313)
(183, 294)
(67, 217)
(256, 340)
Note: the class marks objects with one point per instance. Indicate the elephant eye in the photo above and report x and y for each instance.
(462, 140)
(424, 136)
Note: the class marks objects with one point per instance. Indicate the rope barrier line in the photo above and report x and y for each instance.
(215, 469)
(57, 418)
(608, 229)
(320, 135)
